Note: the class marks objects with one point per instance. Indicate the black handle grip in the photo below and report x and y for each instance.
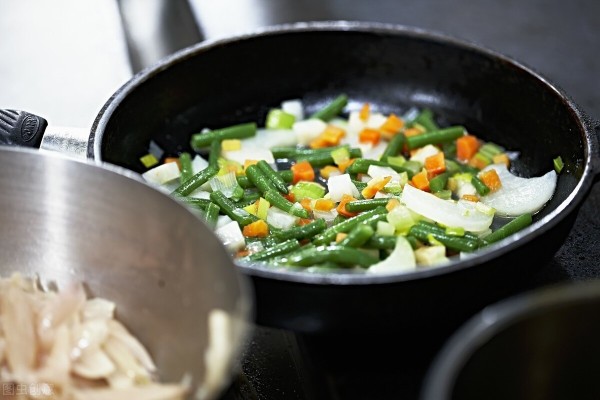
(20, 128)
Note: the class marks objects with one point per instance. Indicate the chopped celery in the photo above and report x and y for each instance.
(558, 164)
(149, 160)
(279, 119)
(305, 189)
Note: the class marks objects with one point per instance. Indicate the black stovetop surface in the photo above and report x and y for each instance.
(561, 41)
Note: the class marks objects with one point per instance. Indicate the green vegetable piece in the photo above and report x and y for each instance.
(345, 226)
(481, 188)
(333, 109)
(197, 180)
(438, 183)
(322, 159)
(302, 232)
(185, 163)
(435, 137)
(278, 249)
(279, 119)
(515, 225)
(366, 205)
(305, 189)
(276, 180)
(394, 147)
(212, 214)
(149, 160)
(240, 131)
(425, 119)
(346, 256)
(357, 236)
(277, 200)
(558, 164)
(229, 208)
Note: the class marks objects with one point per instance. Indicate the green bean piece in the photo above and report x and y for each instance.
(197, 180)
(481, 188)
(278, 249)
(346, 256)
(333, 109)
(459, 243)
(277, 200)
(228, 207)
(438, 183)
(433, 227)
(345, 226)
(194, 202)
(515, 225)
(276, 180)
(247, 199)
(212, 215)
(246, 183)
(302, 232)
(357, 236)
(240, 131)
(292, 152)
(435, 137)
(381, 242)
(322, 159)
(361, 166)
(258, 179)
(185, 163)
(414, 242)
(271, 240)
(425, 119)
(394, 146)
(214, 154)
(366, 205)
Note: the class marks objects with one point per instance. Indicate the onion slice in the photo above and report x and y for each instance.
(519, 195)
(459, 214)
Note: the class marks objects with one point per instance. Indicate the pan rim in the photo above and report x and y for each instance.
(569, 205)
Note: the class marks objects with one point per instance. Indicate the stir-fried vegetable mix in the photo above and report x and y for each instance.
(352, 188)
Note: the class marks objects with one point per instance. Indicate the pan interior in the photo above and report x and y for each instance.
(237, 81)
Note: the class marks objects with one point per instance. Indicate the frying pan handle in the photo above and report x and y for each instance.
(20, 128)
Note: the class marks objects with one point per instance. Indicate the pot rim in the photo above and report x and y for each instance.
(569, 205)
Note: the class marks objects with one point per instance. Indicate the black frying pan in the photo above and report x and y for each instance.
(218, 83)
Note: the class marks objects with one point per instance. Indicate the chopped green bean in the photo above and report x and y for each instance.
(302, 232)
(346, 256)
(322, 159)
(425, 119)
(277, 200)
(435, 137)
(345, 226)
(438, 183)
(333, 109)
(212, 214)
(278, 249)
(185, 164)
(365, 205)
(481, 188)
(515, 225)
(195, 181)
(276, 180)
(394, 146)
(228, 207)
(357, 236)
(240, 131)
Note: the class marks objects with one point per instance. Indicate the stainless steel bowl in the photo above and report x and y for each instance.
(543, 344)
(65, 220)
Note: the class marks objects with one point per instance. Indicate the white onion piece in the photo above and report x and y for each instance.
(519, 195)
(162, 174)
(269, 138)
(249, 152)
(98, 308)
(231, 236)
(376, 171)
(458, 214)
(93, 364)
(426, 151)
(401, 259)
(280, 219)
(308, 130)
(119, 332)
(294, 107)
(340, 185)
(145, 392)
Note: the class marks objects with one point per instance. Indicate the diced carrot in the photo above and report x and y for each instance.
(290, 197)
(248, 163)
(242, 253)
(341, 208)
(173, 159)
(466, 147)
(374, 186)
(302, 171)
(345, 164)
(421, 181)
(501, 158)
(368, 135)
(412, 132)
(331, 136)
(365, 112)
(256, 229)
(306, 203)
(303, 221)
(393, 203)
(491, 179)
(470, 197)
(340, 236)
(324, 204)
(435, 164)
(392, 124)
(327, 170)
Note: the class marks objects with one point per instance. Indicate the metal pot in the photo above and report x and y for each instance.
(222, 82)
(68, 220)
(541, 344)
